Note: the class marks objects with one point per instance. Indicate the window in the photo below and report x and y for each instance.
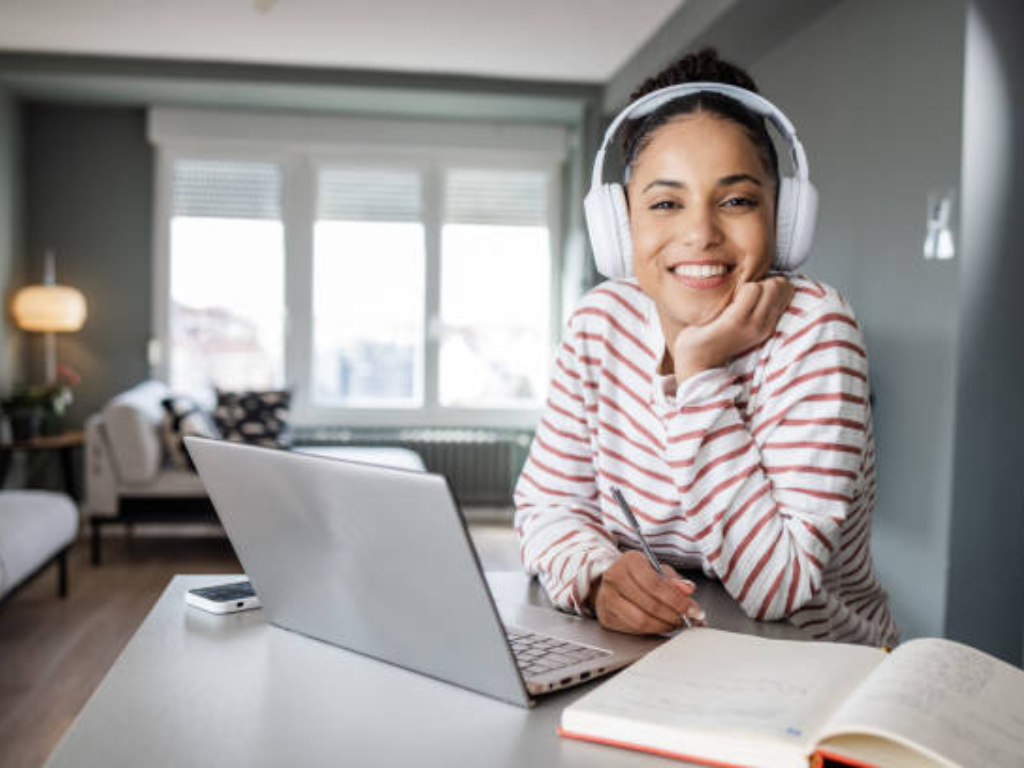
(368, 288)
(495, 289)
(387, 273)
(226, 276)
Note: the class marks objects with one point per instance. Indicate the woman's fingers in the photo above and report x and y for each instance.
(638, 613)
(783, 298)
(652, 591)
(776, 295)
(633, 597)
(623, 616)
(655, 605)
(693, 611)
(744, 302)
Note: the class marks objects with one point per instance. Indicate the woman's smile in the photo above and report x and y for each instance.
(700, 275)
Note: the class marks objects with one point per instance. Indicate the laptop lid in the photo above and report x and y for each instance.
(373, 559)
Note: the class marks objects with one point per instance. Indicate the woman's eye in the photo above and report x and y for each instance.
(746, 202)
(664, 205)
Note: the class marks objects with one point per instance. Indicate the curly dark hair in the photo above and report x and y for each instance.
(704, 65)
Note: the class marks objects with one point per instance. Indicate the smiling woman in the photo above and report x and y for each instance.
(727, 402)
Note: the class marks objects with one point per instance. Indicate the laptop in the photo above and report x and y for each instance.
(378, 560)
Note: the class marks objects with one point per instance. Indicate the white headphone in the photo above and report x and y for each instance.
(608, 216)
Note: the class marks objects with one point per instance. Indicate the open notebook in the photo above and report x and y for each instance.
(724, 698)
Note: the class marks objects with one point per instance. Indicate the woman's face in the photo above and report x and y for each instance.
(702, 218)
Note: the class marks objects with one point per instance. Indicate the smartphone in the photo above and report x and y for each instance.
(224, 598)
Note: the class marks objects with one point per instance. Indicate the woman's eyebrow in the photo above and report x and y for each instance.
(725, 181)
(736, 178)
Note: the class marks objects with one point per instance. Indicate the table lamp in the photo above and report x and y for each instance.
(49, 308)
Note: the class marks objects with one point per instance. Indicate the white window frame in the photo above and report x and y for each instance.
(302, 145)
(166, 156)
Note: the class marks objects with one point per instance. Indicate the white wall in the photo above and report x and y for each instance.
(874, 88)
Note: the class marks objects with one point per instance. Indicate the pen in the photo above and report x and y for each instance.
(635, 525)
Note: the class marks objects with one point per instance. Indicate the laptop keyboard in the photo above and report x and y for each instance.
(537, 654)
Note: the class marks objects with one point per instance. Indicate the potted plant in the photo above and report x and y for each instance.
(38, 409)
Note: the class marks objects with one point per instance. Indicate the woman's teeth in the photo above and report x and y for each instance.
(700, 270)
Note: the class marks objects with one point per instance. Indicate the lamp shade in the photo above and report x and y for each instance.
(47, 308)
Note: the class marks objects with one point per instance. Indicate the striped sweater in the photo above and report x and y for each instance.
(761, 472)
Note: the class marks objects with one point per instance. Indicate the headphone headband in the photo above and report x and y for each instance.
(652, 101)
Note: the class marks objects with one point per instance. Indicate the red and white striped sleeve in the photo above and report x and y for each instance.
(767, 496)
(562, 539)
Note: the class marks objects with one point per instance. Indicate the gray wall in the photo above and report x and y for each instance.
(10, 236)
(985, 599)
(746, 29)
(874, 89)
(88, 195)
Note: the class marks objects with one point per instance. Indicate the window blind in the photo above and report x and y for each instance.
(368, 194)
(497, 197)
(226, 190)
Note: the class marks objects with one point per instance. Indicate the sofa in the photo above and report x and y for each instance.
(129, 480)
(37, 528)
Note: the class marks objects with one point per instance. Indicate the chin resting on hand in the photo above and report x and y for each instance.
(745, 322)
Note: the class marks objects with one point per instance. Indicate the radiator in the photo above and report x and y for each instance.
(482, 465)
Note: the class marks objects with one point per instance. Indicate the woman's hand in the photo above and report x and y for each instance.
(745, 322)
(632, 597)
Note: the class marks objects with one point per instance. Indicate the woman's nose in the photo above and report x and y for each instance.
(699, 228)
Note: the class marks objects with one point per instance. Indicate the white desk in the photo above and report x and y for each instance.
(194, 689)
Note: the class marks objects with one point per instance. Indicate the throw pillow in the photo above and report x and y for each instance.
(258, 418)
(183, 417)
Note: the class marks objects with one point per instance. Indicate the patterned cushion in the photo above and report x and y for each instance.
(258, 418)
(182, 417)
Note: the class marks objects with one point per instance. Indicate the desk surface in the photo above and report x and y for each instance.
(193, 688)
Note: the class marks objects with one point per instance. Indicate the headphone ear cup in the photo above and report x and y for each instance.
(608, 225)
(620, 210)
(795, 221)
(785, 216)
(806, 222)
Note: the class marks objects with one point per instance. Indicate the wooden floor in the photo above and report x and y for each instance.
(54, 653)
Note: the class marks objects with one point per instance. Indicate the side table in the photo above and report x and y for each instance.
(64, 445)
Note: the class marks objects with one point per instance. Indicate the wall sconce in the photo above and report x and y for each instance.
(938, 242)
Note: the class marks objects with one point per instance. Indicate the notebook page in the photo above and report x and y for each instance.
(724, 688)
(956, 702)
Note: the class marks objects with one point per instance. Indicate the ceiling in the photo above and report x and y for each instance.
(583, 41)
